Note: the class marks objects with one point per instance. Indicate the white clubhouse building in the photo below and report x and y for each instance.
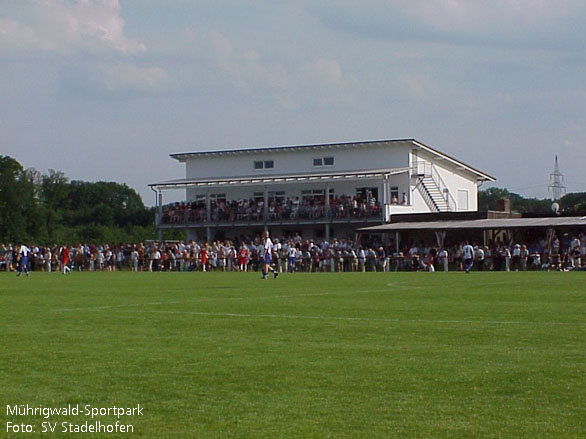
(242, 191)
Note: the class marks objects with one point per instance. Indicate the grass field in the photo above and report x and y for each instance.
(227, 355)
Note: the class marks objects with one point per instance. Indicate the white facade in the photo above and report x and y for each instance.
(393, 171)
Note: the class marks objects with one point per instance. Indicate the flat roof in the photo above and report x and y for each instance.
(183, 156)
(277, 178)
(482, 224)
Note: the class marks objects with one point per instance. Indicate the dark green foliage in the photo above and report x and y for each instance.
(48, 209)
(487, 200)
(19, 208)
(574, 203)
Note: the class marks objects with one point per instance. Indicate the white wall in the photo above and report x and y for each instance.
(455, 179)
(376, 156)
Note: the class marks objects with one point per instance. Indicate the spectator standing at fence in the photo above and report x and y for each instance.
(134, 259)
(47, 256)
(506, 256)
(65, 259)
(243, 255)
(444, 259)
(362, 259)
(480, 258)
(382, 259)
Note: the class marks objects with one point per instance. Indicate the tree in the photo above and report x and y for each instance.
(487, 200)
(574, 203)
(17, 202)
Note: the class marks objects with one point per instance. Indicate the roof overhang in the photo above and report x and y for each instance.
(183, 156)
(276, 179)
(482, 224)
(481, 176)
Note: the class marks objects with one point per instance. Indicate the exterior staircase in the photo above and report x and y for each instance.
(429, 186)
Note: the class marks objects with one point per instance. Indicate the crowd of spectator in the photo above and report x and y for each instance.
(247, 210)
(294, 254)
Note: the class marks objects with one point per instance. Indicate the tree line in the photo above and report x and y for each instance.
(572, 204)
(48, 209)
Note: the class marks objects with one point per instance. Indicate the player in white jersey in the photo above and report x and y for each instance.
(291, 258)
(265, 251)
(23, 253)
(468, 255)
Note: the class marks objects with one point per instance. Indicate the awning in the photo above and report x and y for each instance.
(483, 224)
(251, 180)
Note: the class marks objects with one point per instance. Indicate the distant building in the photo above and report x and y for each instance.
(318, 191)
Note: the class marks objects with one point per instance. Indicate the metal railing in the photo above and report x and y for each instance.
(426, 169)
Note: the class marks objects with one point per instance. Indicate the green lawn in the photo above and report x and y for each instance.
(365, 355)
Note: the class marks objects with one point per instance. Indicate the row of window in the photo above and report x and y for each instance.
(270, 164)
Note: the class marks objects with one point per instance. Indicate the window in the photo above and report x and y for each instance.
(323, 161)
(462, 200)
(264, 164)
(213, 197)
(279, 196)
(310, 194)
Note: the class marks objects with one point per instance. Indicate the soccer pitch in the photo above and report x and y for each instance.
(340, 355)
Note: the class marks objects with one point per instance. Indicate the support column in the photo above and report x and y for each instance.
(160, 214)
(327, 216)
(265, 207)
(385, 198)
(208, 216)
(397, 251)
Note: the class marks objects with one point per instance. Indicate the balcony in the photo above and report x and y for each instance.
(252, 212)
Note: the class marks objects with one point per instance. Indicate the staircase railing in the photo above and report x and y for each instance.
(426, 196)
(427, 169)
(443, 187)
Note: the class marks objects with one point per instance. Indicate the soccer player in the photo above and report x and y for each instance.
(23, 254)
(468, 255)
(265, 251)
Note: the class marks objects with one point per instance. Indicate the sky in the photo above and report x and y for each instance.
(107, 89)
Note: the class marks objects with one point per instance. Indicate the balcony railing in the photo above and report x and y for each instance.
(184, 214)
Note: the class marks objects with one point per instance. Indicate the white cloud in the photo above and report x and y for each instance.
(63, 26)
(126, 76)
(247, 70)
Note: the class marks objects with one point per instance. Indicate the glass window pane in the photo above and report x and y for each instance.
(317, 162)
(328, 161)
(258, 165)
(269, 164)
